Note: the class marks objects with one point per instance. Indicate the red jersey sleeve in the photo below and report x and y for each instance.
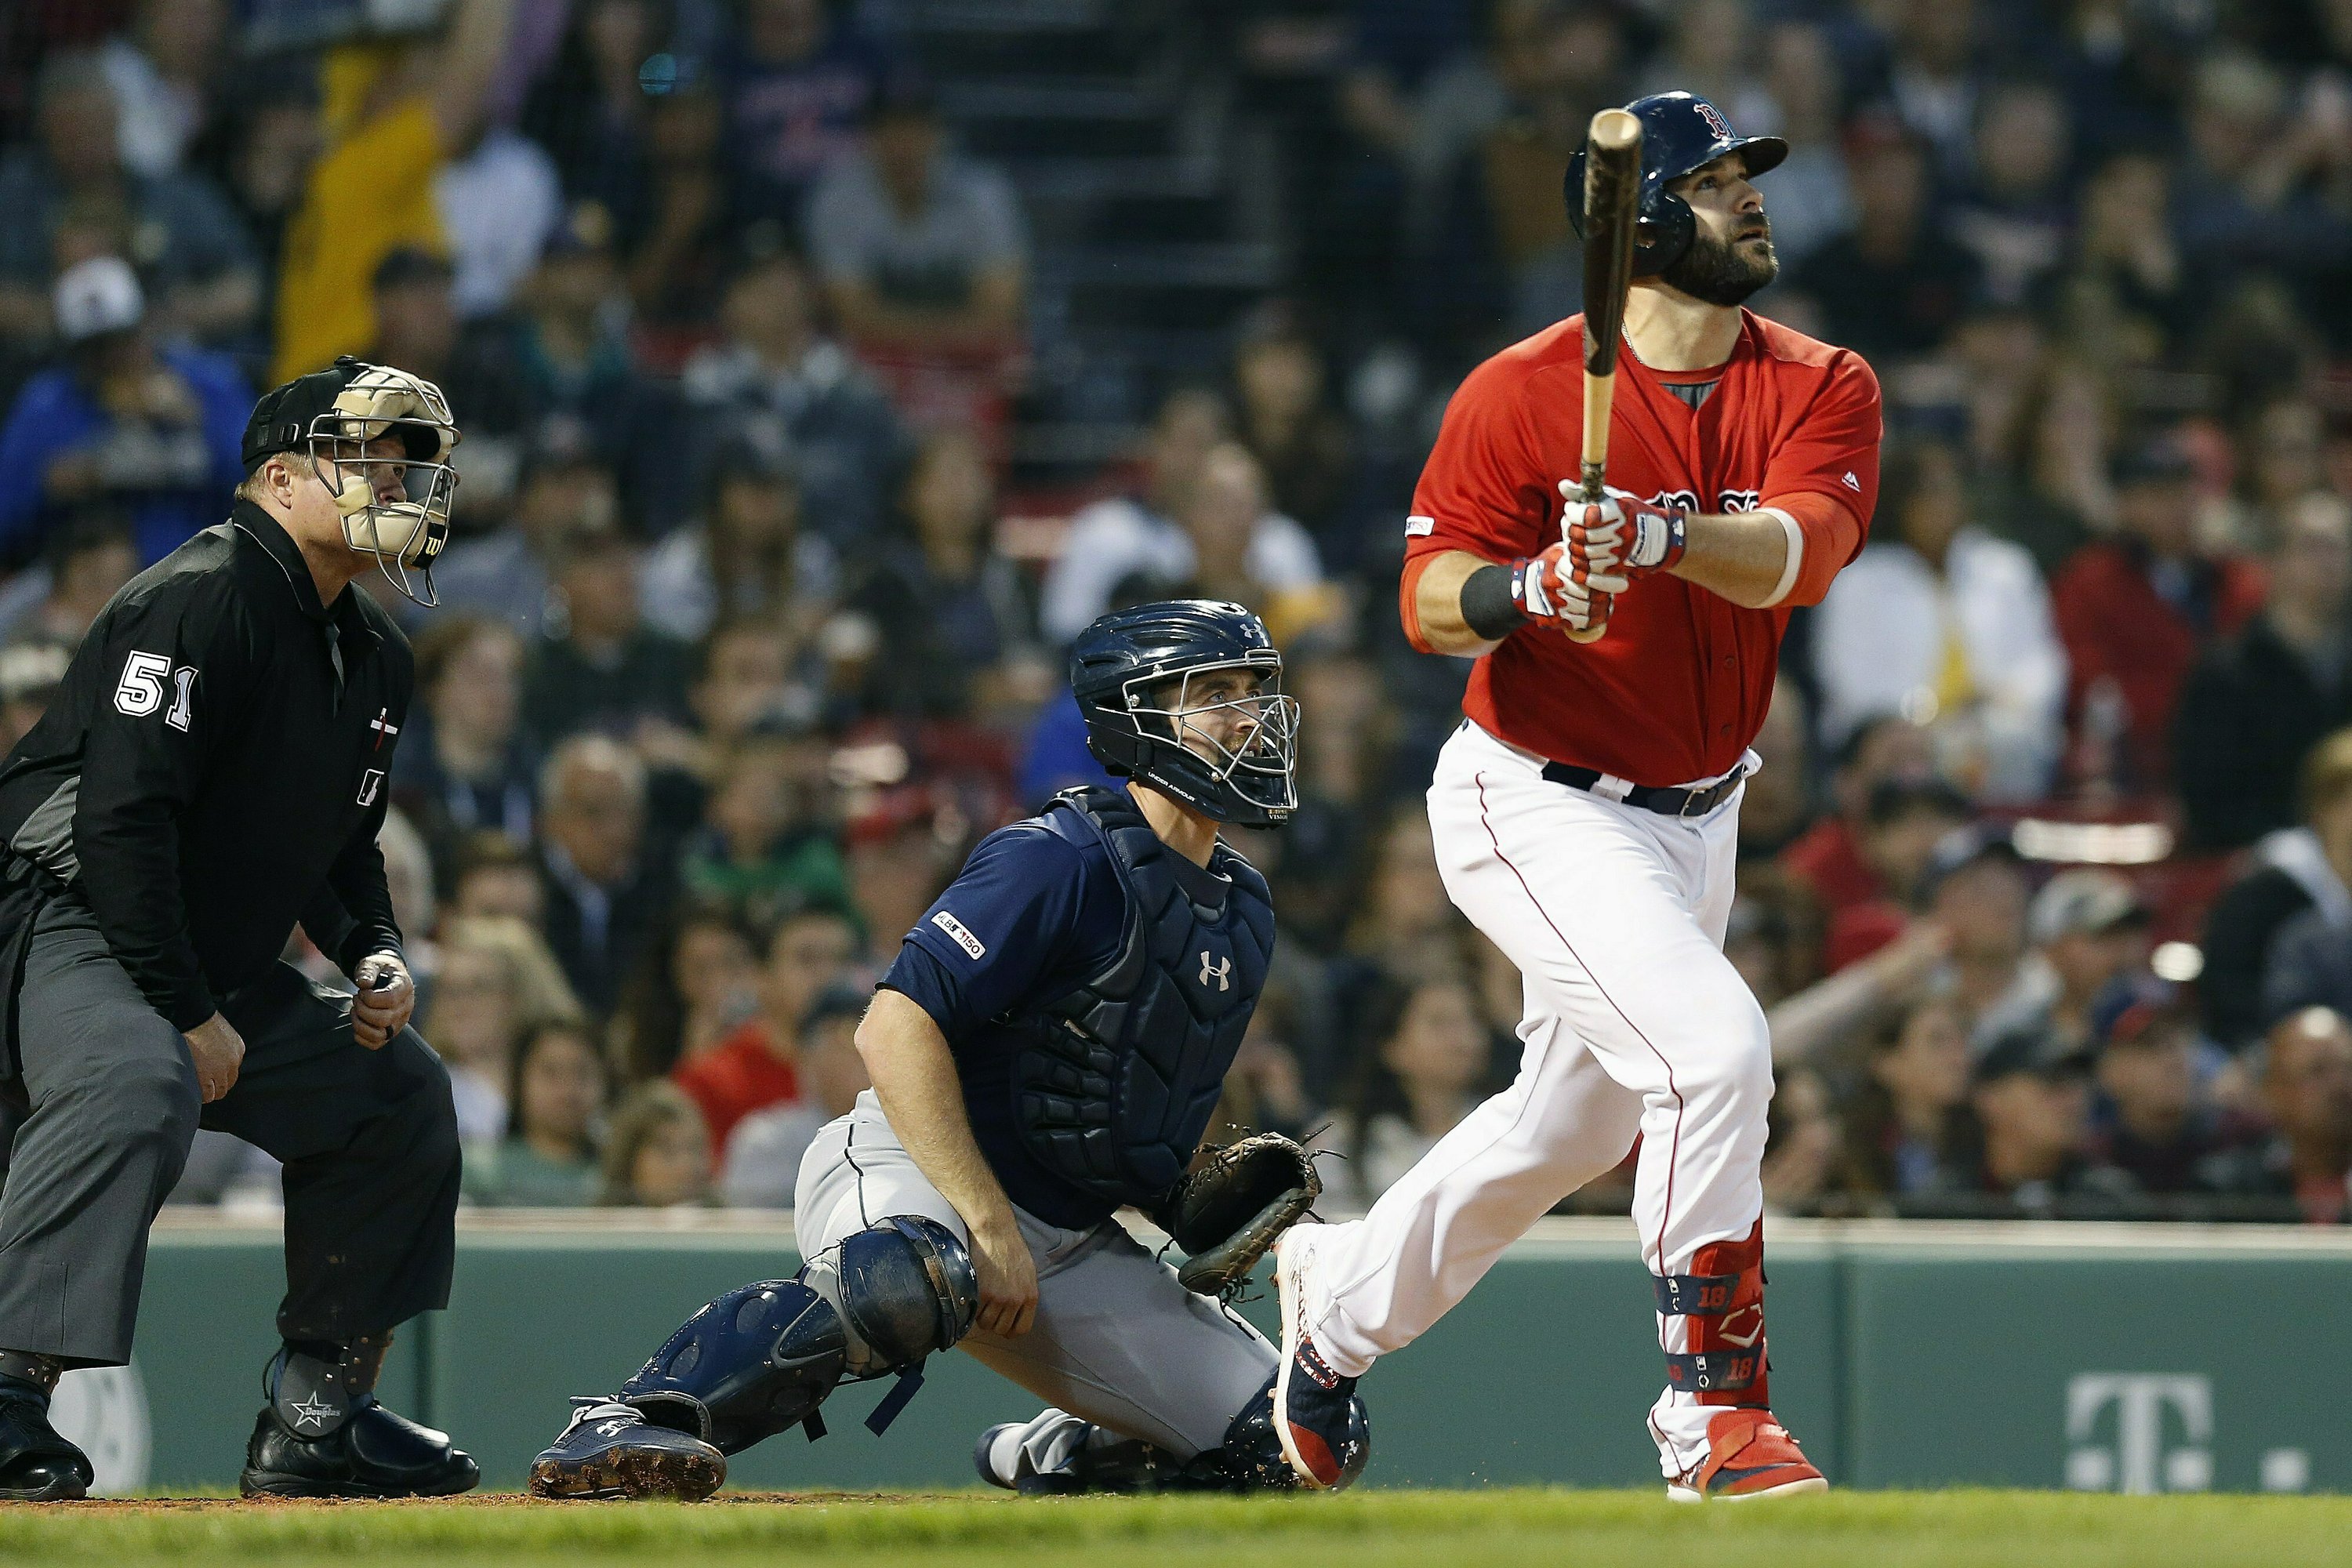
(1486, 487)
(1831, 456)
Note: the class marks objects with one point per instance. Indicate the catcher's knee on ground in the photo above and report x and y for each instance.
(764, 1357)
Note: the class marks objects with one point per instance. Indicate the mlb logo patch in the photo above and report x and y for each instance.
(1419, 527)
(959, 935)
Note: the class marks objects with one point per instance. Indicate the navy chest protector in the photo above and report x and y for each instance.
(1116, 1082)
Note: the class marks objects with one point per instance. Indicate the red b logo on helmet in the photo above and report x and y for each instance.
(1715, 120)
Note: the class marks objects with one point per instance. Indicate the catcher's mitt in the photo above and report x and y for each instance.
(1228, 1213)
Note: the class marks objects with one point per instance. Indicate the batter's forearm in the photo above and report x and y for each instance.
(915, 1078)
(1437, 605)
(1742, 556)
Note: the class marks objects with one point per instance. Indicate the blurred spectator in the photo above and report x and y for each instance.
(491, 874)
(164, 72)
(2255, 704)
(2088, 930)
(688, 992)
(918, 248)
(797, 80)
(1827, 860)
(1940, 622)
(2032, 1113)
(153, 429)
(393, 115)
(605, 886)
(417, 329)
(1895, 282)
(2306, 1088)
(607, 670)
(30, 674)
(83, 564)
(176, 226)
(1405, 928)
(1934, 73)
(1116, 537)
(498, 200)
(773, 372)
(1907, 820)
(746, 685)
(2153, 1121)
(2294, 870)
(678, 243)
(408, 877)
(2133, 611)
(1907, 1128)
(1301, 445)
(1811, 197)
(1425, 1073)
(1801, 1145)
(764, 849)
(759, 1065)
(592, 109)
(567, 493)
(904, 849)
(467, 766)
(495, 985)
(2248, 158)
(1979, 898)
(571, 356)
(745, 554)
(952, 607)
(2016, 219)
(1826, 1021)
(658, 1152)
(764, 1156)
(1776, 803)
(547, 1157)
(2128, 256)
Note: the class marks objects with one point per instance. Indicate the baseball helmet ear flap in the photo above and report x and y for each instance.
(1661, 233)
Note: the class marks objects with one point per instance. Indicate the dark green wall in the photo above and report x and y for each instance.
(1897, 1362)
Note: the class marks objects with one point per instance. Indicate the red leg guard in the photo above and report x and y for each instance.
(1721, 1303)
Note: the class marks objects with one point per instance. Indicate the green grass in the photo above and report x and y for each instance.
(1373, 1530)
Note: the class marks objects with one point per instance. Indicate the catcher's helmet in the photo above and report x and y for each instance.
(329, 417)
(1681, 131)
(1118, 669)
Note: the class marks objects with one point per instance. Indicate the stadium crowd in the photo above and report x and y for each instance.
(754, 619)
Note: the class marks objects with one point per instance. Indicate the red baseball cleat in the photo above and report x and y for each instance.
(1750, 1455)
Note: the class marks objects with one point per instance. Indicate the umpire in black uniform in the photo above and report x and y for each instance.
(211, 774)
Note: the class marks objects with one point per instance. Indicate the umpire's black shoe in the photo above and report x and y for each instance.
(374, 1454)
(35, 1464)
(609, 1449)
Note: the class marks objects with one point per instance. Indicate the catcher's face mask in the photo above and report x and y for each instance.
(382, 452)
(1235, 719)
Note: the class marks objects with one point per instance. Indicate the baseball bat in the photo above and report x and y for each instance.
(1612, 196)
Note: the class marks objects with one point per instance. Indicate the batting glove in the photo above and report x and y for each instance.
(1622, 539)
(1543, 591)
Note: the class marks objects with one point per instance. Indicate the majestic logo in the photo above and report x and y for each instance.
(1221, 970)
(1715, 120)
(2139, 1462)
(1851, 482)
(312, 1413)
(959, 935)
(370, 781)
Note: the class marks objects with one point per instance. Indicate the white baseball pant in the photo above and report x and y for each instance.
(1635, 1023)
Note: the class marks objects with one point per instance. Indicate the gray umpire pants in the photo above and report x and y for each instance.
(369, 1140)
(1117, 1342)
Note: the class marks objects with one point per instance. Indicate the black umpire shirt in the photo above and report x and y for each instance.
(213, 770)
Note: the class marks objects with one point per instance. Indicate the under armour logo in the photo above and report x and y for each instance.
(613, 1428)
(312, 1413)
(1219, 970)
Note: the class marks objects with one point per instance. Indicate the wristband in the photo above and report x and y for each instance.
(1490, 604)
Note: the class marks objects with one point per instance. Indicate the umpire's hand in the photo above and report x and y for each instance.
(387, 995)
(217, 1051)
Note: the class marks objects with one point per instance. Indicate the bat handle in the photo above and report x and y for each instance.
(1593, 484)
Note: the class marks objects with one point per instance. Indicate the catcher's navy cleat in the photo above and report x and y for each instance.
(610, 1450)
(1316, 1416)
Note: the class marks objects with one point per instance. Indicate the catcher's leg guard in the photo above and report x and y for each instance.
(764, 1357)
(1721, 1304)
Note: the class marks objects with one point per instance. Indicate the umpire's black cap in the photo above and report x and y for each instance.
(282, 420)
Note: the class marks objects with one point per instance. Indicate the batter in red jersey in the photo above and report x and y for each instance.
(1586, 812)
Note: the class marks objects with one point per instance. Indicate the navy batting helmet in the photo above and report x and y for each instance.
(1681, 131)
(1121, 668)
